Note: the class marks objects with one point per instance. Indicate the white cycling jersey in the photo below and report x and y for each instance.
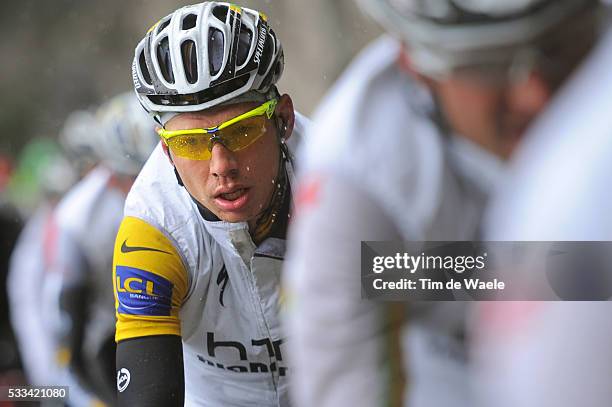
(25, 293)
(377, 168)
(554, 353)
(87, 219)
(182, 272)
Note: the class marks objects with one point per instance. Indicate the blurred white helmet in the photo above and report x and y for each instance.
(127, 134)
(443, 34)
(57, 175)
(79, 140)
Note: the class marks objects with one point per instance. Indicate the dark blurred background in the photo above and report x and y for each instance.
(62, 55)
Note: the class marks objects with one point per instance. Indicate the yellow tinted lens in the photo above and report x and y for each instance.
(192, 146)
(244, 133)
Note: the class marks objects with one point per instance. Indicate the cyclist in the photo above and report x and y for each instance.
(53, 176)
(556, 353)
(198, 255)
(424, 124)
(56, 175)
(87, 220)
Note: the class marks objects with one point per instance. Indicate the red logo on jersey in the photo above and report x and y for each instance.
(308, 193)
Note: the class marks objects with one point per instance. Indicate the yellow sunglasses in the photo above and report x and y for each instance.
(235, 134)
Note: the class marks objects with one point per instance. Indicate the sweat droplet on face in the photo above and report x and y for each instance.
(248, 168)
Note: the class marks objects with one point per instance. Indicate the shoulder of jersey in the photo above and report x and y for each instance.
(156, 196)
(75, 208)
(359, 109)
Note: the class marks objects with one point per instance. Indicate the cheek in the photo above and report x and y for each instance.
(192, 172)
(260, 165)
(467, 106)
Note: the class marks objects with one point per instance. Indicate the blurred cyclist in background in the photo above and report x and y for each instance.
(52, 172)
(555, 353)
(88, 218)
(199, 253)
(78, 140)
(29, 263)
(407, 146)
(30, 194)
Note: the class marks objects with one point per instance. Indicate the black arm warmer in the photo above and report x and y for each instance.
(73, 304)
(156, 374)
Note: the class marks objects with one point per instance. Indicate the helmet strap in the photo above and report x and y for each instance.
(178, 177)
(273, 218)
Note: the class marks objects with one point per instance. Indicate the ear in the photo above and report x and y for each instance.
(284, 111)
(164, 146)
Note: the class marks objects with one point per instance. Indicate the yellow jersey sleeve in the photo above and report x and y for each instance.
(149, 280)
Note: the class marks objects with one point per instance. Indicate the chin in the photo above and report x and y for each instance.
(233, 217)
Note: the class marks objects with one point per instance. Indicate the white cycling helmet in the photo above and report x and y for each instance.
(442, 34)
(78, 139)
(127, 134)
(205, 55)
(57, 175)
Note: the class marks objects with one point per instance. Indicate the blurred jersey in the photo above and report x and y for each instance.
(376, 167)
(80, 282)
(88, 219)
(25, 293)
(554, 353)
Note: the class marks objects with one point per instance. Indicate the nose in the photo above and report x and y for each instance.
(223, 162)
(530, 95)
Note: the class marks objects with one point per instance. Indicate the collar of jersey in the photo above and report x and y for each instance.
(205, 212)
(279, 232)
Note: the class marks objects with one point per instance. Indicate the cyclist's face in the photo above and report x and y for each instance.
(494, 113)
(235, 186)
(493, 116)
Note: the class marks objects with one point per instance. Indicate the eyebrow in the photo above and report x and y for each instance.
(199, 115)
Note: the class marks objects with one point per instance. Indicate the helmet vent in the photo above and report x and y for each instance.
(165, 61)
(190, 61)
(189, 21)
(143, 69)
(215, 50)
(244, 45)
(163, 25)
(221, 12)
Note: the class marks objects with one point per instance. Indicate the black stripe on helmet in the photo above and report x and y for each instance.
(206, 95)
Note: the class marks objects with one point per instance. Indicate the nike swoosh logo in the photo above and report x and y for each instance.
(129, 249)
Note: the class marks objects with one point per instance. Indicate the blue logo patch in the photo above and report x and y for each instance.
(143, 293)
